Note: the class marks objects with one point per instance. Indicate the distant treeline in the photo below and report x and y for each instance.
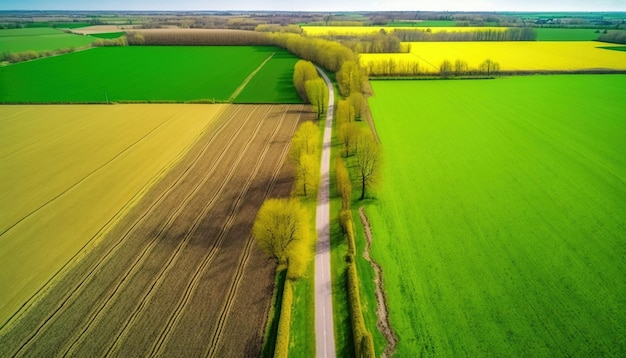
(384, 42)
(197, 37)
(510, 34)
(617, 37)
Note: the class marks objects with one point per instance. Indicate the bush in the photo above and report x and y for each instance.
(284, 326)
(363, 341)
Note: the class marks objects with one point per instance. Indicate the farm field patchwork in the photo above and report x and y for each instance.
(179, 275)
(500, 222)
(151, 73)
(39, 39)
(68, 173)
(512, 56)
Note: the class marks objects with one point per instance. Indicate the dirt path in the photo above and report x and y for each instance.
(381, 301)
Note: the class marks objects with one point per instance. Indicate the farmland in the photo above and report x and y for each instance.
(128, 74)
(499, 225)
(39, 39)
(273, 83)
(61, 163)
(522, 56)
(362, 30)
(182, 260)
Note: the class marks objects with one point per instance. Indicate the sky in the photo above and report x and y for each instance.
(320, 5)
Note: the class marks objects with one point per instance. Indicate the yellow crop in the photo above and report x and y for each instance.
(511, 56)
(68, 173)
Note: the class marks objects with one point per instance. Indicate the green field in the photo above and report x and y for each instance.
(137, 74)
(39, 39)
(500, 224)
(548, 34)
(108, 35)
(273, 83)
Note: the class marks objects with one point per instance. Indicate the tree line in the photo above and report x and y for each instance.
(509, 34)
(394, 67)
(617, 37)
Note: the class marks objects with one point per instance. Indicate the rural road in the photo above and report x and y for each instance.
(324, 328)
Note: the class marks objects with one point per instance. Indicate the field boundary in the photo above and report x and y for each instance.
(382, 310)
(250, 76)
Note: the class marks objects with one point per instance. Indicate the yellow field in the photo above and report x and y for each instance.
(512, 56)
(363, 30)
(68, 173)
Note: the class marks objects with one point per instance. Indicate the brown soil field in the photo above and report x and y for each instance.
(180, 275)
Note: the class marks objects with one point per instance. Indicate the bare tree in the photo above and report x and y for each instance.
(368, 162)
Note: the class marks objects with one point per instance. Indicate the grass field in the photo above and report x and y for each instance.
(360, 30)
(500, 224)
(39, 39)
(69, 172)
(548, 34)
(512, 56)
(136, 74)
(108, 35)
(273, 83)
(180, 274)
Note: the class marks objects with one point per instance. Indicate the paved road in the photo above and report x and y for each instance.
(324, 328)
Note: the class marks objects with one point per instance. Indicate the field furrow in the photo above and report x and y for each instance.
(107, 256)
(192, 231)
(159, 277)
(138, 264)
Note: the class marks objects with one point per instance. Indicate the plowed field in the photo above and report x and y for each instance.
(180, 274)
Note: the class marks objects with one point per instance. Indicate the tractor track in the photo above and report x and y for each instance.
(74, 292)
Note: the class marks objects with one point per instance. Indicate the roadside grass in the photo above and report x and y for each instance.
(503, 233)
(344, 341)
(273, 83)
(60, 163)
(302, 333)
(134, 73)
(39, 39)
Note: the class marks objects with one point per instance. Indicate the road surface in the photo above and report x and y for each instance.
(324, 328)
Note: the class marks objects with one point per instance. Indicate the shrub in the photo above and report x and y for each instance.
(284, 326)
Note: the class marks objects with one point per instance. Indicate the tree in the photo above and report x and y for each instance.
(349, 78)
(303, 71)
(307, 173)
(345, 111)
(348, 134)
(460, 67)
(445, 69)
(305, 140)
(356, 100)
(344, 186)
(317, 92)
(368, 162)
(304, 153)
(489, 67)
(279, 225)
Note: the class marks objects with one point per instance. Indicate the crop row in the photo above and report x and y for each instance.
(194, 265)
